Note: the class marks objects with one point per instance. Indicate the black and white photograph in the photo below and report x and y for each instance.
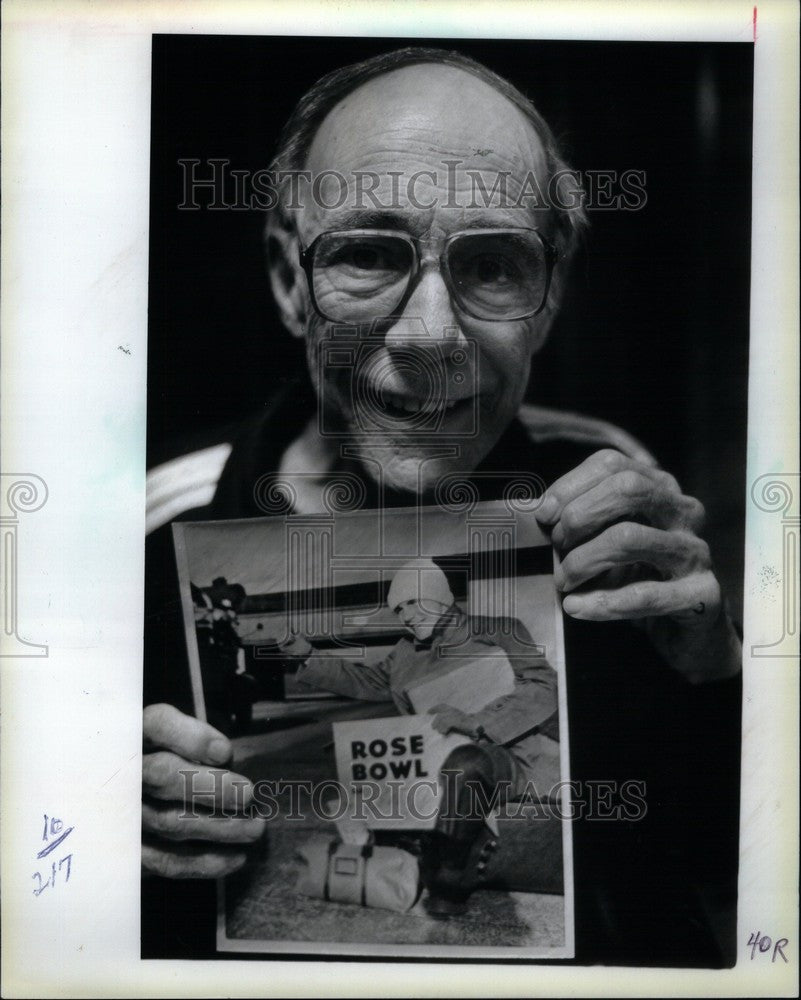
(376, 260)
(390, 683)
(399, 498)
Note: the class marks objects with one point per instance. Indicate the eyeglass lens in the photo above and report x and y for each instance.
(358, 277)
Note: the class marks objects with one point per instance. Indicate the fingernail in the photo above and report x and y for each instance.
(219, 751)
(558, 536)
(572, 605)
(547, 510)
(559, 578)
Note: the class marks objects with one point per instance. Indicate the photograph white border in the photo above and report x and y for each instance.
(274, 529)
(75, 172)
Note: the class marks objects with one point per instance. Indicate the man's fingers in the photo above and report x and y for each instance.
(652, 497)
(593, 470)
(191, 860)
(611, 512)
(165, 728)
(168, 776)
(693, 598)
(601, 466)
(182, 823)
(672, 553)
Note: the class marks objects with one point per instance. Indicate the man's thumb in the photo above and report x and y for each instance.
(165, 728)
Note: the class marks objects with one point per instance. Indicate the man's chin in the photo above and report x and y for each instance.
(417, 467)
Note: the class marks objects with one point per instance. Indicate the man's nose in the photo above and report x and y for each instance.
(428, 317)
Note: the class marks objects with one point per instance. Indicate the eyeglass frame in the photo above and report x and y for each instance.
(306, 259)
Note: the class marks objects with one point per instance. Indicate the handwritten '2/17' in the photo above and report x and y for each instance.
(53, 836)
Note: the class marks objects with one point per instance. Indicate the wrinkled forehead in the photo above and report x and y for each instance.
(423, 137)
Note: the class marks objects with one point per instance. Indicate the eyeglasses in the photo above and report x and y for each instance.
(360, 275)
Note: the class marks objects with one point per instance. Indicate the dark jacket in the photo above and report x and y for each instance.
(660, 891)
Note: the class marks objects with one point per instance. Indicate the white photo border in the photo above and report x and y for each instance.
(76, 134)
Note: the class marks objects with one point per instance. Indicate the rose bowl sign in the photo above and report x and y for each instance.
(391, 769)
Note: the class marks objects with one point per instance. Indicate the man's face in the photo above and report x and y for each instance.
(433, 388)
(420, 619)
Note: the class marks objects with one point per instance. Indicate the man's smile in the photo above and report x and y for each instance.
(399, 403)
(402, 405)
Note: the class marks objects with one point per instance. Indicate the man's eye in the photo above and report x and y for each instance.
(367, 257)
(490, 269)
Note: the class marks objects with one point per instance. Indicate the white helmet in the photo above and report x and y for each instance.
(420, 580)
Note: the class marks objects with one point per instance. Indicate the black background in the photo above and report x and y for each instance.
(653, 335)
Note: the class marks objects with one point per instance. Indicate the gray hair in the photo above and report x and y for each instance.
(297, 135)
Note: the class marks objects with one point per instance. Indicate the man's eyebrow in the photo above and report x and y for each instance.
(355, 218)
(488, 220)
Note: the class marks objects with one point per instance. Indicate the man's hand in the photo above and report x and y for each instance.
(452, 720)
(182, 839)
(629, 549)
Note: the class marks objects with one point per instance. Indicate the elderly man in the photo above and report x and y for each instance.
(423, 235)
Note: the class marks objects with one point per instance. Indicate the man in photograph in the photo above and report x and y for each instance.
(440, 638)
(459, 292)
(514, 730)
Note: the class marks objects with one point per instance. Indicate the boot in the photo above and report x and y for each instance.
(451, 880)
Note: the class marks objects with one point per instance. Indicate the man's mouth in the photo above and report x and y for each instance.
(401, 406)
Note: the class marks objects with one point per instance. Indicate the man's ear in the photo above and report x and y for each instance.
(286, 275)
